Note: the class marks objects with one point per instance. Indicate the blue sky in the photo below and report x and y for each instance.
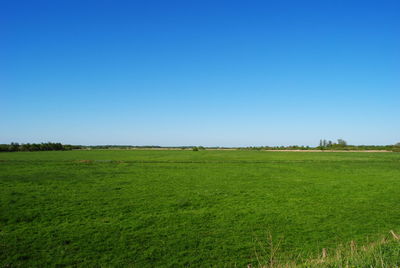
(211, 73)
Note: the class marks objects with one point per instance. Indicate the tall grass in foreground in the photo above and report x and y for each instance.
(382, 253)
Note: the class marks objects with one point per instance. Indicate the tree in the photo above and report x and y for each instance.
(325, 143)
(396, 147)
(14, 146)
(342, 142)
(4, 148)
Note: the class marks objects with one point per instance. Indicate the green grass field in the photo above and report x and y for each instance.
(182, 208)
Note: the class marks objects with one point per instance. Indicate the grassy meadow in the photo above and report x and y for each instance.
(173, 208)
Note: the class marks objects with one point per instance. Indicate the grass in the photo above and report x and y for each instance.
(182, 208)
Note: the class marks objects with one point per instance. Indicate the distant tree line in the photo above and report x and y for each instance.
(330, 145)
(342, 145)
(122, 147)
(271, 148)
(29, 147)
(198, 148)
(323, 145)
(126, 147)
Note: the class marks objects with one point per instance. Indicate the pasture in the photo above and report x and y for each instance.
(172, 208)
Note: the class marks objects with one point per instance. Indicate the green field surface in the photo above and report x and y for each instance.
(173, 208)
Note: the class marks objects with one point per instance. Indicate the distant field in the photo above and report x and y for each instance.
(170, 208)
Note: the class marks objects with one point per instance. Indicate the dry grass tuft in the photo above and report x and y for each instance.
(382, 253)
(85, 161)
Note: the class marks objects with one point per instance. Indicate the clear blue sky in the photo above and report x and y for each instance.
(228, 73)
